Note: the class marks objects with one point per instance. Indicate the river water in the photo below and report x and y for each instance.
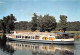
(24, 48)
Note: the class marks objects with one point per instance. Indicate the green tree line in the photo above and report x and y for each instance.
(38, 22)
(41, 23)
(48, 23)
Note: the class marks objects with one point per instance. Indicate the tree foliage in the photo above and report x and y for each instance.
(41, 23)
(47, 23)
(62, 23)
(7, 23)
(38, 22)
(34, 22)
(22, 25)
(73, 26)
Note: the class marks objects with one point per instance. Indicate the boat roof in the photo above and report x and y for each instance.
(63, 33)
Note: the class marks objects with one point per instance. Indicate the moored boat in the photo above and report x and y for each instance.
(56, 38)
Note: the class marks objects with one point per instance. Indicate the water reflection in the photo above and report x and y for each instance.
(42, 49)
(8, 49)
(77, 47)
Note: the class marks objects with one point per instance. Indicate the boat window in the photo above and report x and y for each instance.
(63, 36)
(36, 37)
(16, 36)
(26, 37)
(51, 38)
(36, 47)
(45, 38)
(32, 37)
(22, 36)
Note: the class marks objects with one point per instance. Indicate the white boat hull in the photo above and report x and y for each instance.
(43, 41)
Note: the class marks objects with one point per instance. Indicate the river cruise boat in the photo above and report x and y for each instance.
(42, 37)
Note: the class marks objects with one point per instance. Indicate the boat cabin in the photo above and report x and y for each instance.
(64, 35)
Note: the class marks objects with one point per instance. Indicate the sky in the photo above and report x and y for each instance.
(23, 9)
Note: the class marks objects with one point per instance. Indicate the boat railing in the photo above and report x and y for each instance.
(64, 37)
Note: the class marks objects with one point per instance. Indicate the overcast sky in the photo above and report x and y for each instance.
(24, 9)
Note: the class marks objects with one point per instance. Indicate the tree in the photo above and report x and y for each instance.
(29, 26)
(3, 28)
(40, 23)
(12, 22)
(47, 23)
(62, 23)
(8, 23)
(1, 24)
(34, 22)
(22, 25)
(74, 26)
